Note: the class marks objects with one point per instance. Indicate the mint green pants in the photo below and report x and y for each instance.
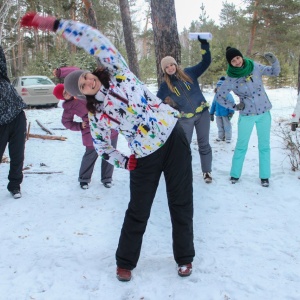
(245, 127)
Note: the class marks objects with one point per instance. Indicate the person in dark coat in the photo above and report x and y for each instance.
(181, 90)
(72, 107)
(12, 129)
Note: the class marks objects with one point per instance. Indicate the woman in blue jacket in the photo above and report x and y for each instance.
(223, 116)
(245, 80)
(181, 90)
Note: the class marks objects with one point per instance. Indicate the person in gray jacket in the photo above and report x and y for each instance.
(12, 129)
(244, 78)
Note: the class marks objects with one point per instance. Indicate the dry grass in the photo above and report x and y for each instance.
(291, 142)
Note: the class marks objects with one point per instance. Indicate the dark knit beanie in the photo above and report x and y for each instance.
(232, 53)
(71, 83)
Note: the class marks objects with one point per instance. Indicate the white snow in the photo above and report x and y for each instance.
(58, 241)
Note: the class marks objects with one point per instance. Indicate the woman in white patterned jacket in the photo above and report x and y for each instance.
(118, 100)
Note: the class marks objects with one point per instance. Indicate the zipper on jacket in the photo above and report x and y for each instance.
(122, 99)
(186, 96)
(112, 119)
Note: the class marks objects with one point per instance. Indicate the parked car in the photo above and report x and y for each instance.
(296, 115)
(36, 90)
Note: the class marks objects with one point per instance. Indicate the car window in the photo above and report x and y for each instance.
(26, 81)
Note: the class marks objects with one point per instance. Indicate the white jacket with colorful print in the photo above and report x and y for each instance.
(128, 106)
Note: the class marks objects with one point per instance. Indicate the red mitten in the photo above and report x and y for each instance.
(37, 21)
(131, 163)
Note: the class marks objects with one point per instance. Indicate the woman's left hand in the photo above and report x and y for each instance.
(34, 20)
(270, 57)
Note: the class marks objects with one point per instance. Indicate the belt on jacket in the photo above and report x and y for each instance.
(198, 110)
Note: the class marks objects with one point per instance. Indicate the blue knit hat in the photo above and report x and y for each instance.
(221, 80)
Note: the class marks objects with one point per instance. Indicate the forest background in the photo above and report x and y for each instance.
(258, 27)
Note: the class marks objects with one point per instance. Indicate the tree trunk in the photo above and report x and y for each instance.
(253, 28)
(92, 20)
(90, 13)
(148, 16)
(166, 37)
(299, 75)
(128, 36)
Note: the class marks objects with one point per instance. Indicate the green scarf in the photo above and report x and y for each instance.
(244, 71)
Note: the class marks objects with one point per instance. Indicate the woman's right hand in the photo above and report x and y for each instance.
(202, 41)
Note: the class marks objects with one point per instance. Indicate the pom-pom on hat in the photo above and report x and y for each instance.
(71, 83)
(232, 53)
(220, 81)
(58, 91)
(166, 61)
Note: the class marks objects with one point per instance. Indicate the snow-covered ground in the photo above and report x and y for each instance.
(58, 242)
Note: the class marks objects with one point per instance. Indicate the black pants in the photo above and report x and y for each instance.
(14, 134)
(174, 160)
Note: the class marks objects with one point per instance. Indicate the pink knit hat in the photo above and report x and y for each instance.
(58, 91)
(166, 61)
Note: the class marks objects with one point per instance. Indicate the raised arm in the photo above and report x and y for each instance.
(203, 65)
(94, 43)
(272, 70)
(81, 35)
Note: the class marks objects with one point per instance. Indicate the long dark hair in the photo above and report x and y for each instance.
(104, 77)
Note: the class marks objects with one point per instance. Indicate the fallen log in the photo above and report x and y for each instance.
(42, 172)
(44, 127)
(47, 137)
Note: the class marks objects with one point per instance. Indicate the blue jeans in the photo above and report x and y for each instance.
(245, 127)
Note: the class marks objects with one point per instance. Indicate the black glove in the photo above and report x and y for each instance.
(212, 117)
(202, 41)
(270, 57)
(230, 116)
(239, 106)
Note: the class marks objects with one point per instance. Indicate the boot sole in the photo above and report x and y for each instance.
(123, 279)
